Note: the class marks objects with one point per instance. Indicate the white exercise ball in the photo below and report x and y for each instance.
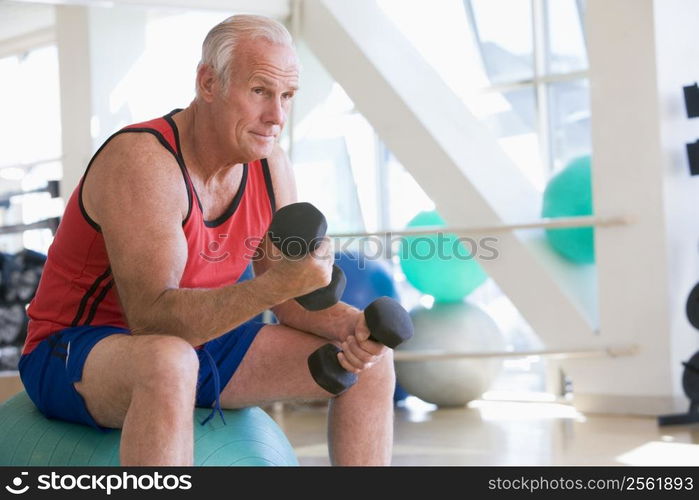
(451, 327)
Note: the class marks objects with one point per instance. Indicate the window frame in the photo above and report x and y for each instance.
(541, 79)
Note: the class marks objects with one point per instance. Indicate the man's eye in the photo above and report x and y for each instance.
(288, 95)
(258, 91)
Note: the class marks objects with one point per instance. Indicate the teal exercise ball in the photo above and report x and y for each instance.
(440, 266)
(249, 437)
(569, 194)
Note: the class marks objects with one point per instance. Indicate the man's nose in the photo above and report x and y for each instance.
(275, 112)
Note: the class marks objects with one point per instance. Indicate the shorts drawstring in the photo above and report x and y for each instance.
(217, 388)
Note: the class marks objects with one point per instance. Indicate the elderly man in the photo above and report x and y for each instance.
(138, 317)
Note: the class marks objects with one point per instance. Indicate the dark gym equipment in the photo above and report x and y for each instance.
(389, 325)
(691, 100)
(691, 104)
(51, 188)
(19, 278)
(693, 157)
(13, 324)
(693, 307)
(51, 224)
(297, 230)
(690, 384)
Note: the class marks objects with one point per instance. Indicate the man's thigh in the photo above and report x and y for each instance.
(120, 363)
(54, 368)
(275, 368)
(107, 379)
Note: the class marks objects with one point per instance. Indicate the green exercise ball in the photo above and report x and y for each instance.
(442, 266)
(569, 194)
(251, 437)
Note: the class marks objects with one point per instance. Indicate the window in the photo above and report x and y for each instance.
(30, 145)
(533, 52)
(162, 76)
(520, 67)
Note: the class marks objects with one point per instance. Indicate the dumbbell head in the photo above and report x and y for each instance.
(388, 322)
(326, 296)
(297, 229)
(690, 378)
(327, 371)
(692, 308)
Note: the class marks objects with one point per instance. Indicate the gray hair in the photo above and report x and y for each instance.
(220, 43)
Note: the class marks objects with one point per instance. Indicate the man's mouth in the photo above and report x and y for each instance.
(263, 136)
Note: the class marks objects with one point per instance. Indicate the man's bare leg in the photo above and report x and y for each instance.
(145, 385)
(360, 427)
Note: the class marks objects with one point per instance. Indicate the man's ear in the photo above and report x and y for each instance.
(206, 82)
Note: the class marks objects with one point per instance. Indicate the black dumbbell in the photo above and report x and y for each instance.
(389, 325)
(297, 230)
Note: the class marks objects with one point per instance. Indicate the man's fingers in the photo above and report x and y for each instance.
(352, 358)
(324, 250)
(361, 330)
(357, 353)
(372, 348)
(342, 358)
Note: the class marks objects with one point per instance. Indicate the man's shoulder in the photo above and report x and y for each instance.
(136, 145)
(135, 154)
(133, 160)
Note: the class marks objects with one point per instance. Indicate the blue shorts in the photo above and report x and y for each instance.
(50, 370)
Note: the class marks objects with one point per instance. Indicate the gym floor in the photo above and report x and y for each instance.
(505, 433)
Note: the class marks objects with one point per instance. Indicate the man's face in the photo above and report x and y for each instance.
(253, 109)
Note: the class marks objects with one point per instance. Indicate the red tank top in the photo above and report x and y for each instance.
(77, 286)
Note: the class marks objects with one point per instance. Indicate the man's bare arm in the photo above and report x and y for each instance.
(135, 192)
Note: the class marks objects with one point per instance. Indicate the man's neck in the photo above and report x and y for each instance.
(199, 147)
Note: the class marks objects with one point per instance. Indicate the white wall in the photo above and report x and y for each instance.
(677, 50)
(641, 54)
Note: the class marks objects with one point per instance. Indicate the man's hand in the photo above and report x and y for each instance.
(301, 275)
(358, 352)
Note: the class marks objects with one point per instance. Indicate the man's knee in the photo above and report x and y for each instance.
(382, 375)
(165, 362)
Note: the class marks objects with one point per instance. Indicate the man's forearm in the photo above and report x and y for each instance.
(200, 315)
(333, 323)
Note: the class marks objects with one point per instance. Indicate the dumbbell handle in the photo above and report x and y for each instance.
(388, 323)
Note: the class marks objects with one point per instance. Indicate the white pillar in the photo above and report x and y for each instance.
(74, 70)
(96, 47)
